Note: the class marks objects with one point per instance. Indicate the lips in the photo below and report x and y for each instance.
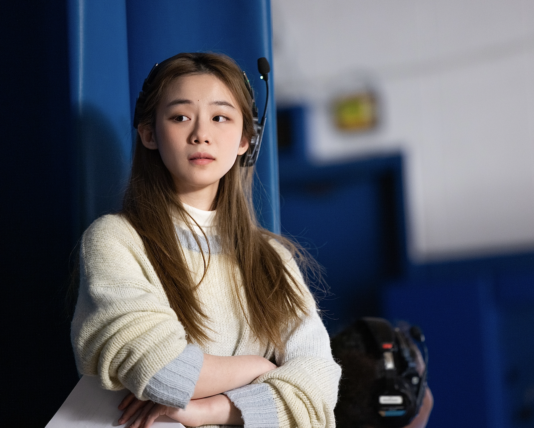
(199, 156)
(201, 159)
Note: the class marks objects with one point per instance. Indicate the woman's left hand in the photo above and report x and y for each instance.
(142, 414)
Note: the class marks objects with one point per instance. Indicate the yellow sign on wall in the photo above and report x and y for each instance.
(356, 112)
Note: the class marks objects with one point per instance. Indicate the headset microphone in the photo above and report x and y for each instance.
(251, 156)
(264, 68)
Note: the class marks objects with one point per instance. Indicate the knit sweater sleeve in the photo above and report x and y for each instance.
(303, 389)
(124, 330)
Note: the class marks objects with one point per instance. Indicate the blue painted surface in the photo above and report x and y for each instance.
(240, 29)
(100, 104)
(460, 322)
(516, 287)
(518, 355)
(494, 265)
(502, 315)
(515, 295)
(351, 219)
(293, 134)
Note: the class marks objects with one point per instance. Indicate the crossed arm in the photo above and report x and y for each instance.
(302, 391)
(208, 405)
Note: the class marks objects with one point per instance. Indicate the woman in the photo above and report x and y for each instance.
(184, 300)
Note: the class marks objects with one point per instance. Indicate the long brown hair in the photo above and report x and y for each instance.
(273, 296)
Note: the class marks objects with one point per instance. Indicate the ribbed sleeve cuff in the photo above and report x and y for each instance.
(175, 383)
(257, 405)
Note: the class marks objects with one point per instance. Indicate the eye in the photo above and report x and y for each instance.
(180, 118)
(220, 119)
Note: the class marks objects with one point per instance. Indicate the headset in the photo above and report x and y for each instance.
(251, 155)
(400, 390)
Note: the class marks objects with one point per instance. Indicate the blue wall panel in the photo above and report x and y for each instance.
(518, 328)
(100, 103)
(351, 217)
(515, 294)
(461, 324)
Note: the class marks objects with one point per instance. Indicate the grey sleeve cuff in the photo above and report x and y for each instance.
(175, 383)
(257, 405)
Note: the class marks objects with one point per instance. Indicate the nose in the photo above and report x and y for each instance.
(200, 132)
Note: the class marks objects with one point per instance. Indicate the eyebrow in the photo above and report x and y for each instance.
(179, 101)
(185, 101)
(222, 103)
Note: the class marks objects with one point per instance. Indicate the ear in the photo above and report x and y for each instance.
(146, 133)
(243, 146)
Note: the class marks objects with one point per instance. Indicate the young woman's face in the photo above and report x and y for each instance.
(199, 133)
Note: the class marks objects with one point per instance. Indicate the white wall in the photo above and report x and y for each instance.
(457, 82)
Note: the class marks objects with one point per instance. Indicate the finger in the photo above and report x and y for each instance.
(141, 415)
(132, 408)
(126, 401)
(133, 422)
(155, 411)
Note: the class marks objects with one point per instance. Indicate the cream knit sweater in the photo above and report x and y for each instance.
(125, 332)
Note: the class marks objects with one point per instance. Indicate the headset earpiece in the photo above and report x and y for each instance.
(251, 155)
(251, 92)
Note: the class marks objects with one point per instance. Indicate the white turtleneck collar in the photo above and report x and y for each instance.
(206, 219)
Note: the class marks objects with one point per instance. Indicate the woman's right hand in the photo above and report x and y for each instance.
(218, 410)
(142, 414)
